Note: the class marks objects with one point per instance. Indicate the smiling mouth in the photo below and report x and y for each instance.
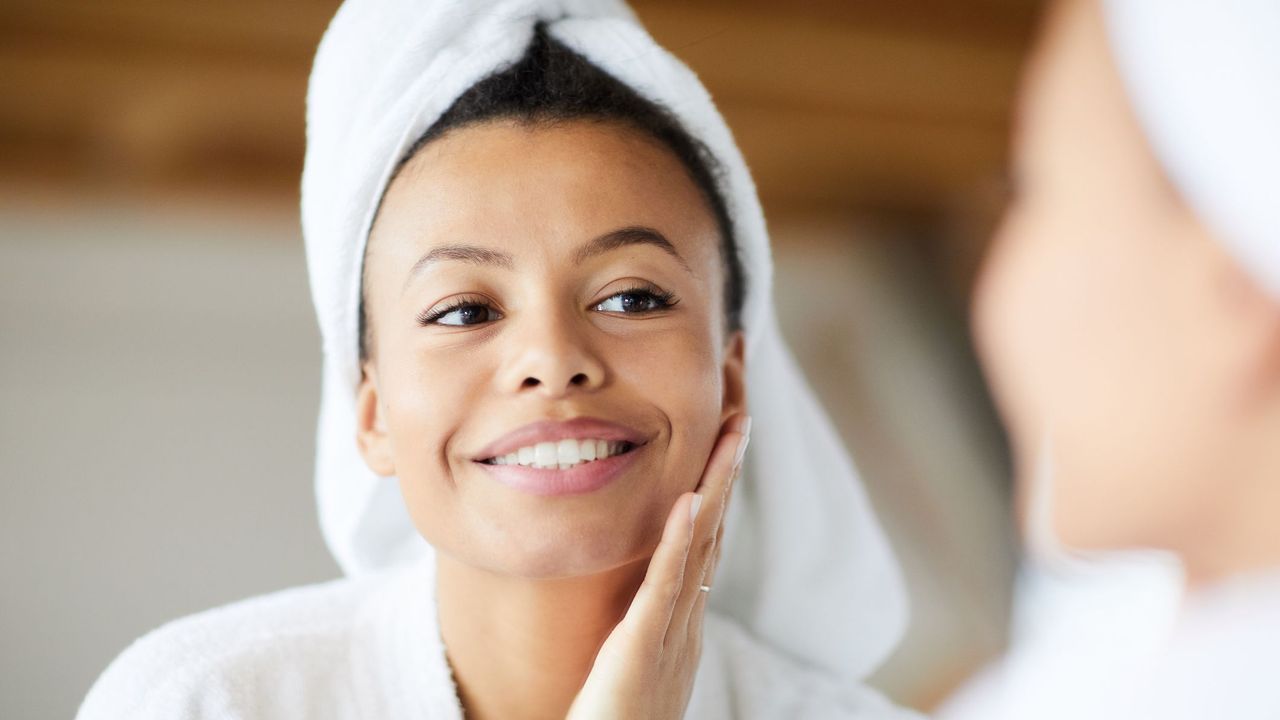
(563, 454)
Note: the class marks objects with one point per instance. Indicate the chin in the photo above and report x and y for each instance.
(574, 549)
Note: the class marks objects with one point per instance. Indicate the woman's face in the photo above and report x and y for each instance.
(501, 293)
(1116, 333)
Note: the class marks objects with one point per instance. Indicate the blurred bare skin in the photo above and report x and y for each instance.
(1111, 321)
(543, 578)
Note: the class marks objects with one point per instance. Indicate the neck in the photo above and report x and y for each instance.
(521, 648)
(1238, 533)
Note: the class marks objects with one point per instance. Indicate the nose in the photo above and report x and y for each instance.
(551, 355)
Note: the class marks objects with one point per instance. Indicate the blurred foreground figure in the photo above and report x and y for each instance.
(1129, 323)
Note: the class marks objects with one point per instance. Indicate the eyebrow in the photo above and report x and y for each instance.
(476, 255)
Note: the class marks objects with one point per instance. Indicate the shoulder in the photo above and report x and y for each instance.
(213, 664)
(762, 683)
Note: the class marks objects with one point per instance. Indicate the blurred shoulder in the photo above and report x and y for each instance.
(762, 683)
(224, 662)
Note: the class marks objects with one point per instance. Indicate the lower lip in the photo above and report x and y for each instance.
(582, 478)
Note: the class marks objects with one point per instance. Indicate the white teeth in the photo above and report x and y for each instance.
(563, 455)
(567, 452)
(544, 455)
(525, 456)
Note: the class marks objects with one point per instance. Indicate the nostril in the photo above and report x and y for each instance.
(578, 380)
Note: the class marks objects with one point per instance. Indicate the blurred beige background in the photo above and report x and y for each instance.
(159, 360)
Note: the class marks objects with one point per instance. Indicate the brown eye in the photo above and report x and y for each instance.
(461, 314)
(635, 301)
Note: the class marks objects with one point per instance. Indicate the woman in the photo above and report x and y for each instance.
(544, 351)
(1129, 319)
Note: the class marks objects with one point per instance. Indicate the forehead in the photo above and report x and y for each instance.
(1074, 124)
(525, 187)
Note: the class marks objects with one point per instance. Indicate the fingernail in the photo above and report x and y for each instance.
(694, 507)
(744, 424)
(742, 446)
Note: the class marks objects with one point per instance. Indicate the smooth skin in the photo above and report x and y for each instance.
(546, 602)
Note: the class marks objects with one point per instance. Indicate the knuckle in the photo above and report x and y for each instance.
(705, 548)
(706, 566)
(665, 587)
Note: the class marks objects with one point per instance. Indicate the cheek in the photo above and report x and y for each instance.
(1041, 328)
(1078, 324)
(679, 375)
(428, 397)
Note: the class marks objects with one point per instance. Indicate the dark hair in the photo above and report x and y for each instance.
(551, 83)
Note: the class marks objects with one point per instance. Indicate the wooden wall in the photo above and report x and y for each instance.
(839, 106)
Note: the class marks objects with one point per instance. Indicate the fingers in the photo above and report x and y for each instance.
(715, 487)
(644, 627)
(700, 601)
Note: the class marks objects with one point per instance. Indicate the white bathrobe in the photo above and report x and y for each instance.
(808, 598)
(371, 648)
(1122, 643)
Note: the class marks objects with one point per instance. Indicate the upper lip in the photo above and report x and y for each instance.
(579, 428)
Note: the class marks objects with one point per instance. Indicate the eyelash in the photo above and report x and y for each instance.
(664, 299)
(430, 317)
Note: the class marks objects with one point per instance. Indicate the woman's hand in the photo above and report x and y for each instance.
(646, 666)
